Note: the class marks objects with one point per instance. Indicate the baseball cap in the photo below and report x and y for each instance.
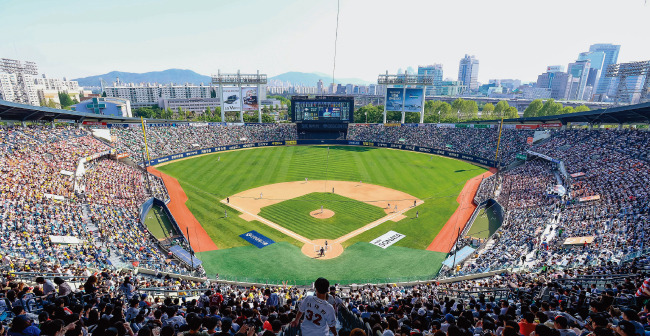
(627, 327)
(450, 318)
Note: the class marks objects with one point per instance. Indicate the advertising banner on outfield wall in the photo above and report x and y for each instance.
(249, 98)
(443, 152)
(387, 239)
(394, 99)
(230, 99)
(413, 100)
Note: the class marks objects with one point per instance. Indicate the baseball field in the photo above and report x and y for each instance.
(299, 196)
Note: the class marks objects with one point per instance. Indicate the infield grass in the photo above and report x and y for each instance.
(206, 180)
(349, 215)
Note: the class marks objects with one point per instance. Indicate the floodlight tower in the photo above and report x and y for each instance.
(405, 80)
(240, 80)
(623, 71)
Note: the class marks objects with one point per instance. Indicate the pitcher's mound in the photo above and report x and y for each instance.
(326, 213)
(312, 249)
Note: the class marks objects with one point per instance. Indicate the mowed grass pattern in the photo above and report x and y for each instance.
(349, 215)
(207, 180)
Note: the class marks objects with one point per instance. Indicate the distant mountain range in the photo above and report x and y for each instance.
(182, 76)
(179, 76)
(310, 79)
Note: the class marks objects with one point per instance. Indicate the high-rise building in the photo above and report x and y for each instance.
(319, 87)
(611, 57)
(558, 82)
(149, 94)
(17, 83)
(468, 73)
(434, 70)
(561, 85)
(579, 70)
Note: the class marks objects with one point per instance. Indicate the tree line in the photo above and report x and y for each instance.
(209, 115)
(461, 110)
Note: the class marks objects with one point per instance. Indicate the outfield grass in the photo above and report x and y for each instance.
(349, 215)
(361, 263)
(436, 180)
(157, 221)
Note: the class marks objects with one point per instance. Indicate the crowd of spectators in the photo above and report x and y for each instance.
(586, 301)
(480, 142)
(39, 200)
(606, 199)
(167, 140)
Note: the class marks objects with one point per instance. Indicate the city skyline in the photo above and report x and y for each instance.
(75, 39)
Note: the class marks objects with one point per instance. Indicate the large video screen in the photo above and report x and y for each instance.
(323, 110)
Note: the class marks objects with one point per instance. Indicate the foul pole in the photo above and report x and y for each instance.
(146, 148)
(496, 156)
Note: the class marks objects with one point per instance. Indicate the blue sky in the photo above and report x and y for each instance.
(511, 38)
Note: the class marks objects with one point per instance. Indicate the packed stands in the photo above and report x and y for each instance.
(480, 142)
(167, 140)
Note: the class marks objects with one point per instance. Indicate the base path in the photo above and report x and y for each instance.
(199, 239)
(251, 201)
(446, 238)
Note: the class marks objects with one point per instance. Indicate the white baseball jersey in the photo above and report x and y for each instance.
(319, 316)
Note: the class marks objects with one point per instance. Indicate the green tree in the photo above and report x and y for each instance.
(582, 108)
(104, 94)
(511, 113)
(500, 109)
(532, 110)
(267, 118)
(488, 111)
(550, 108)
(65, 99)
(567, 110)
(469, 110)
(51, 103)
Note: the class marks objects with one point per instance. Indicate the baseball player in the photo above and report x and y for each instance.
(320, 318)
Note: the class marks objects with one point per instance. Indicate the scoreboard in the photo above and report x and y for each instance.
(322, 109)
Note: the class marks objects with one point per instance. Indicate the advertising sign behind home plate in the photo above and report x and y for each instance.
(387, 239)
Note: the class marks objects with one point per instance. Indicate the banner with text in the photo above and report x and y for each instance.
(387, 239)
(394, 99)
(256, 239)
(230, 99)
(413, 100)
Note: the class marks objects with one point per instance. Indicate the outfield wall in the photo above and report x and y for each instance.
(442, 152)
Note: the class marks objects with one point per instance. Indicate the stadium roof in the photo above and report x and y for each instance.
(638, 113)
(22, 112)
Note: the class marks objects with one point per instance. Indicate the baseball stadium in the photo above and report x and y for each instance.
(139, 197)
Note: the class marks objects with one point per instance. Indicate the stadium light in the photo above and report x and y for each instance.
(239, 80)
(405, 80)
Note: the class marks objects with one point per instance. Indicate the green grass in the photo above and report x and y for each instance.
(436, 180)
(157, 221)
(485, 224)
(360, 263)
(349, 215)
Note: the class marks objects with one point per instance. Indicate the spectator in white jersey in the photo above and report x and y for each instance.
(320, 317)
